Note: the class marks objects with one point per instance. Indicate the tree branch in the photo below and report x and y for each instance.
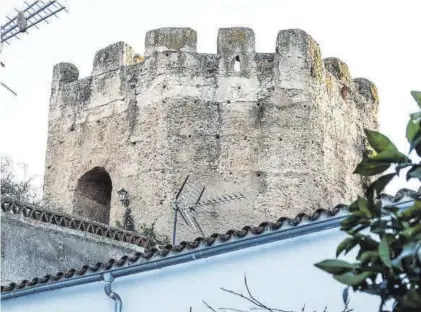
(252, 299)
(209, 307)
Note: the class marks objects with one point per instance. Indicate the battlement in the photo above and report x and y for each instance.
(233, 44)
(238, 120)
(296, 64)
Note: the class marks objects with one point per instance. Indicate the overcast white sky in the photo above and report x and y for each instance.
(379, 40)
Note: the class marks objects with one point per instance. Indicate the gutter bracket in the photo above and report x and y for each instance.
(108, 279)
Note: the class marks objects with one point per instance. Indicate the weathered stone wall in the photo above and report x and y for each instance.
(31, 248)
(284, 128)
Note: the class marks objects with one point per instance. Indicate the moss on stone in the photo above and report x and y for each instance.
(316, 60)
(238, 35)
(338, 69)
(374, 93)
(329, 83)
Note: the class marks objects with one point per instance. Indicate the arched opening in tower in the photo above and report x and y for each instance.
(92, 195)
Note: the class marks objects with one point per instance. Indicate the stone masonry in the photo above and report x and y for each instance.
(283, 128)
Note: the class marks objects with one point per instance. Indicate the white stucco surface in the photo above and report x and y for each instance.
(280, 274)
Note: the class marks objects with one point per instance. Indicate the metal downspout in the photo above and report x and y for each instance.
(118, 304)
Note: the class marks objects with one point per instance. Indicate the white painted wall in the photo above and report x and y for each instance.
(280, 274)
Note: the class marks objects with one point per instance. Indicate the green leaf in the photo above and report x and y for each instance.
(407, 251)
(384, 252)
(389, 157)
(364, 225)
(379, 226)
(346, 245)
(342, 246)
(392, 209)
(345, 295)
(379, 142)
(417, 96)
(412, 130)
(396, 224)
(352, 279)
(381, 183)
(412, 299)
(369, 168)
(366, 242)
(369, 256)
(362, 204)
(335, 266)
(349, 222)
(415, 144)
(414, 172)
(412, 231)
(416, 117)
(353, 206)
(411, 212)
(360, 214)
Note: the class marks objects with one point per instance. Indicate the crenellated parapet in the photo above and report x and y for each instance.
(273, 125)
(296, 63)
(112, 58)
(170, 39)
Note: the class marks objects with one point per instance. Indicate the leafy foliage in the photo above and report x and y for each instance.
(153, 237)
(22, 191)
(388, 263)
(150, 233)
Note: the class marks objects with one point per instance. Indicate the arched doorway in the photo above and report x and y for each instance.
(92, 196)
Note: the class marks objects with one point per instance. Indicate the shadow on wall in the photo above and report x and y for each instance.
(92, 197)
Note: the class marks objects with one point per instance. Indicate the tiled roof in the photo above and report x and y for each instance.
(174, 249)
(104, 230)
(400, 196)
(166, 250)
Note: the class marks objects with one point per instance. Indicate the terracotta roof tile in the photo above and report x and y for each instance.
(165, 250)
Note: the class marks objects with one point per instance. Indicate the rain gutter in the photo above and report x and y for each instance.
(196, 254)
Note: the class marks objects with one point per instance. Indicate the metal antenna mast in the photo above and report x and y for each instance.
(30, 16)
(183, 201)
(189, 198)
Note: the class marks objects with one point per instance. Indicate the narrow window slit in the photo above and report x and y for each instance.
(237, 64)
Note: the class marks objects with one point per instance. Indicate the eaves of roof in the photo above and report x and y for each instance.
(321, 219)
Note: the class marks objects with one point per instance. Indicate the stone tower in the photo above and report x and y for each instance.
(283, 128)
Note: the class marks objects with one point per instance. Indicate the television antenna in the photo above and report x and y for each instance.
(189, 198)
(30, 16)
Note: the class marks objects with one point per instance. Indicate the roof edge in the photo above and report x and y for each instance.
(153, 260)
(169, 255)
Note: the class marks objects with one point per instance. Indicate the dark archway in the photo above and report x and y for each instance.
(92, 196)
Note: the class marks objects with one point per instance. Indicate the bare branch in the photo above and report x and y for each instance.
(346, 309)
(209, 307)
(248, 289)
(239, 295)
(254, 301)
(230, 309)
(272, 309)
(257, 304)
(260, 304)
